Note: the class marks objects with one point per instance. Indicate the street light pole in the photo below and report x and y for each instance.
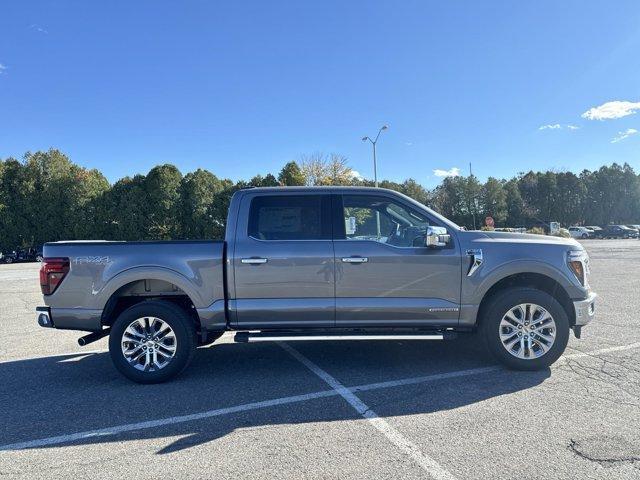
(375, 165)
(373, 143)
(375, 170)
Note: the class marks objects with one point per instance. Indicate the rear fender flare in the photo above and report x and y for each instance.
(149, 273)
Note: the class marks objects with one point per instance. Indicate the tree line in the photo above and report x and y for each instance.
(46, 197)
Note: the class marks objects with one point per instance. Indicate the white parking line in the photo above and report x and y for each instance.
(427, 463)
(619, 348)
(101, 432)
(424, 379)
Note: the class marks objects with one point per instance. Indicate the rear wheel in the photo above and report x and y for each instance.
(525, 328)
(152, 342)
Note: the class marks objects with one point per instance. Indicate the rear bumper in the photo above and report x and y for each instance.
(82, 319)
(43, 316)
(585, 309)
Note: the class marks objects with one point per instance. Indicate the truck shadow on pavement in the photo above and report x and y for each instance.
(53, 396)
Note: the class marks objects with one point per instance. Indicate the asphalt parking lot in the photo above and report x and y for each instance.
(327, 410)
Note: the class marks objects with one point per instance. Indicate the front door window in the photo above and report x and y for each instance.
(382, 220)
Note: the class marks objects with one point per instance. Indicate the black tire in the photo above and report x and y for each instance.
(585, 235)
(8, 260)
(185, 335)
(501, 304)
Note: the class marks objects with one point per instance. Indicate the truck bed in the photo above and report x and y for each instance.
(100, 269)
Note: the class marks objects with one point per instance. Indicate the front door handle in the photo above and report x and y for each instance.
(355, 259)
(254, 261)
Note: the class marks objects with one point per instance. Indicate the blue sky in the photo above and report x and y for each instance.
(241, 88)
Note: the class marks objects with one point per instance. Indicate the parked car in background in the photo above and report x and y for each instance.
(636, 228)
(580, 232)
(617, 231)
(24, 255)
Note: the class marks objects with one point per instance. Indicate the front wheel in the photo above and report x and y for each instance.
(525, 328)
(152, 342)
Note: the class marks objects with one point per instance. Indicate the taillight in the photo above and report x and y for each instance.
(52, 272)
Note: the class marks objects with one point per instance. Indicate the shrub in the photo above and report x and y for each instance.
(536, 230)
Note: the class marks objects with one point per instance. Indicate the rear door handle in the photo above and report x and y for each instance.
(254, 261)
(355, 259)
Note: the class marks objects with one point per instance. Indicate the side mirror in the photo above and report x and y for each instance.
(436, 237)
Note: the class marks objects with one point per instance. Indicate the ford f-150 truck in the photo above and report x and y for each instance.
(319, 263)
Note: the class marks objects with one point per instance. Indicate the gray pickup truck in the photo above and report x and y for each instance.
(321, 263)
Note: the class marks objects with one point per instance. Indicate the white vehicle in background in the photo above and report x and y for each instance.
(636, 228)
(581, 232)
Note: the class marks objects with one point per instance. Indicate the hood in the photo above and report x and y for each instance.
(526, 238)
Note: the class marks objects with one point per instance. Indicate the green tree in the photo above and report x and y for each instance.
(528, 186)
(291, 175)
(494, 200)
(17, 227)
(267, 181)
(413, 189)
(162, 191)
(46, 197)
(123, 211)
(514, 204)
(570, 199)
(197, 192)
(450, 200)
(219, 208)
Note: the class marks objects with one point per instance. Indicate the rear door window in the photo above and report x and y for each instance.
(290, 217)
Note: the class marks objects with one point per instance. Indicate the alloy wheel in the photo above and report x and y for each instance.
(148, 344)
(527, 331)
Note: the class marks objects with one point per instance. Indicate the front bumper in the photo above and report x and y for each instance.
(585, 309)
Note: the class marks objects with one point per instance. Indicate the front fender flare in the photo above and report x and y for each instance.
(515, 267)
(476, 287)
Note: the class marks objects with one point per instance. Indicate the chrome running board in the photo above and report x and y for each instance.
(251, 337)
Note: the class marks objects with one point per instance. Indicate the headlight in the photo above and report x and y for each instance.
(578, 262)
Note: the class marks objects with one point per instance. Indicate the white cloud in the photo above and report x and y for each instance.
(356, 175)
(452, 172)
(557, 126)
(612, 110)
(38, 28)
(2, 68)
(622, 135)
